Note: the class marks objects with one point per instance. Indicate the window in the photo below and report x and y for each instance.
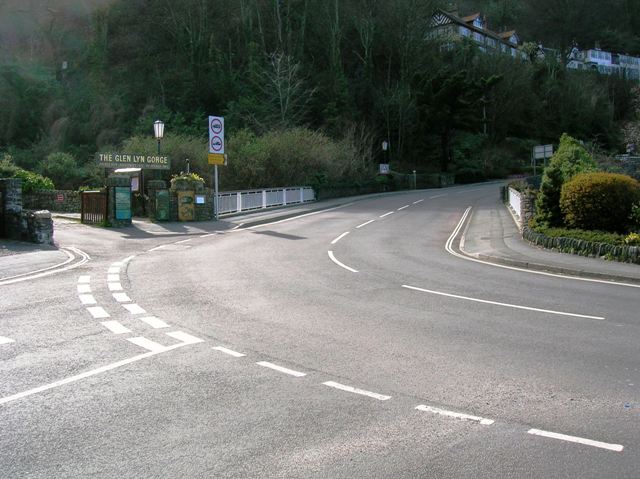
(478, 37)
(492, 43)
(465, 32)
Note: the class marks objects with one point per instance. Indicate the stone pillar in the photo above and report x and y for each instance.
(11, 191)
(39, 227)
(158, 207)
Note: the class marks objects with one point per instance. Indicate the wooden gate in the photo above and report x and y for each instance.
(94, 207)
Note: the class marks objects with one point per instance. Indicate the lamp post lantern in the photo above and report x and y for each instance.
(158, 131)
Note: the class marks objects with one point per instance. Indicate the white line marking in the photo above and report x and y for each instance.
(387, 214)
(579, 440)
(128, 258)
(121, 297)
(118, 264)
(147, 344)
(419, 201)
(450, 250)
(115, 286)
(351, 389)
(275, 367)
(437, 196)
(84, 279)
(159, 247)
(403, 207)
(236, 227)
(457, 415)
(87, 299)
(98, 312)
(114, 270)
(342, 265)
(230, 352)
(10, 279)
(507, 305)
(340, 237)
(184, 337)
(154, 322)
(84, 288)
(183, 241)
(134, 308)
(4, 340)
(364, 224)
(50, 270)
(87, 374)
(113, 277)
(207, 235)
(295, 217)
(115, 327)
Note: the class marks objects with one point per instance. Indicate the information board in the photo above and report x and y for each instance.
(123, 203)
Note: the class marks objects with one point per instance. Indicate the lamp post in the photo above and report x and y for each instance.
(158, 131)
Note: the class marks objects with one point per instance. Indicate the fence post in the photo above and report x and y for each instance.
(264, 199)
(284, 196)
(301, 195)
(239, 201)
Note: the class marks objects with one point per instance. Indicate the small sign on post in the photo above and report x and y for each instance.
(541, 152)
(384, 168)
(216, 154)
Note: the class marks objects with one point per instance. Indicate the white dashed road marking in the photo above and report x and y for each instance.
(185, 338)
(579, 440)
(98, 312)
(230, 352)
(115, 286)
(84, 288)
(114, 270)
(84, 279)
(387, 214)
(403, 207)
(121, 297)
(457, 415)
(154, 322)
(275, 367)
(134, 308)
(351, 389)
(147, 344)
(115, 327)
(87, 299)
(340, 237)
(419, 201)
(364, 224)
(113, 278)
(4, 340)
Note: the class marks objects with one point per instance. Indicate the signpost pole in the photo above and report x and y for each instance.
(215, 191)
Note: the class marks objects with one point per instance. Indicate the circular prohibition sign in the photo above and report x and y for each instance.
(216, 126)
(216, 143)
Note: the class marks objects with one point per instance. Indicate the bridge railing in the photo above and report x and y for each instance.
(230, 202)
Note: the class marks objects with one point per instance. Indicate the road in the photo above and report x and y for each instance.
(353, 342)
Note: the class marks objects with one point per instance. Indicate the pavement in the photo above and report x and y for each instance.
(490, 235)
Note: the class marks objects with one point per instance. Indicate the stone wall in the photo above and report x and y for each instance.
(19, 224)
(62, 201)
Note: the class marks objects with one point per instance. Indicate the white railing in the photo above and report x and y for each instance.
(237, 201)
(515, 201)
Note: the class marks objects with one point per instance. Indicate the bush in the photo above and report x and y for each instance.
(599, 201)
(591, 236)
(63, 169)
(30, 181)
(570, 159)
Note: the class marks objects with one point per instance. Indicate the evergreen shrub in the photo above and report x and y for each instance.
(599, 201)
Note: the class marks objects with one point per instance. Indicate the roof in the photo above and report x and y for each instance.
(471, 18)
(468, 23)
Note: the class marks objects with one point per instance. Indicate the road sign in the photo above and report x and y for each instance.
(217, 159)
(542, 152)
(216, 135)
(384, 169)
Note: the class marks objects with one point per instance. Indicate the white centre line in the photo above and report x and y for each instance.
(419, 201)
(457, 415)
(115, 286)
(342, 265)
(230, 352)
(159, 247)
(87, 299)
(436, 196)
(183, 241)
(98, 312)
(579, 440)
(506, 305)
(364, 224)
(340, 237)
(115, 327)
(403, 207)
(134, 308)
(87, 374)
(121, 297)
(154, 322)
(275, 367)
(207, 235)
(387, 214)
(4, 340)
(351, 389)
(84, 288)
